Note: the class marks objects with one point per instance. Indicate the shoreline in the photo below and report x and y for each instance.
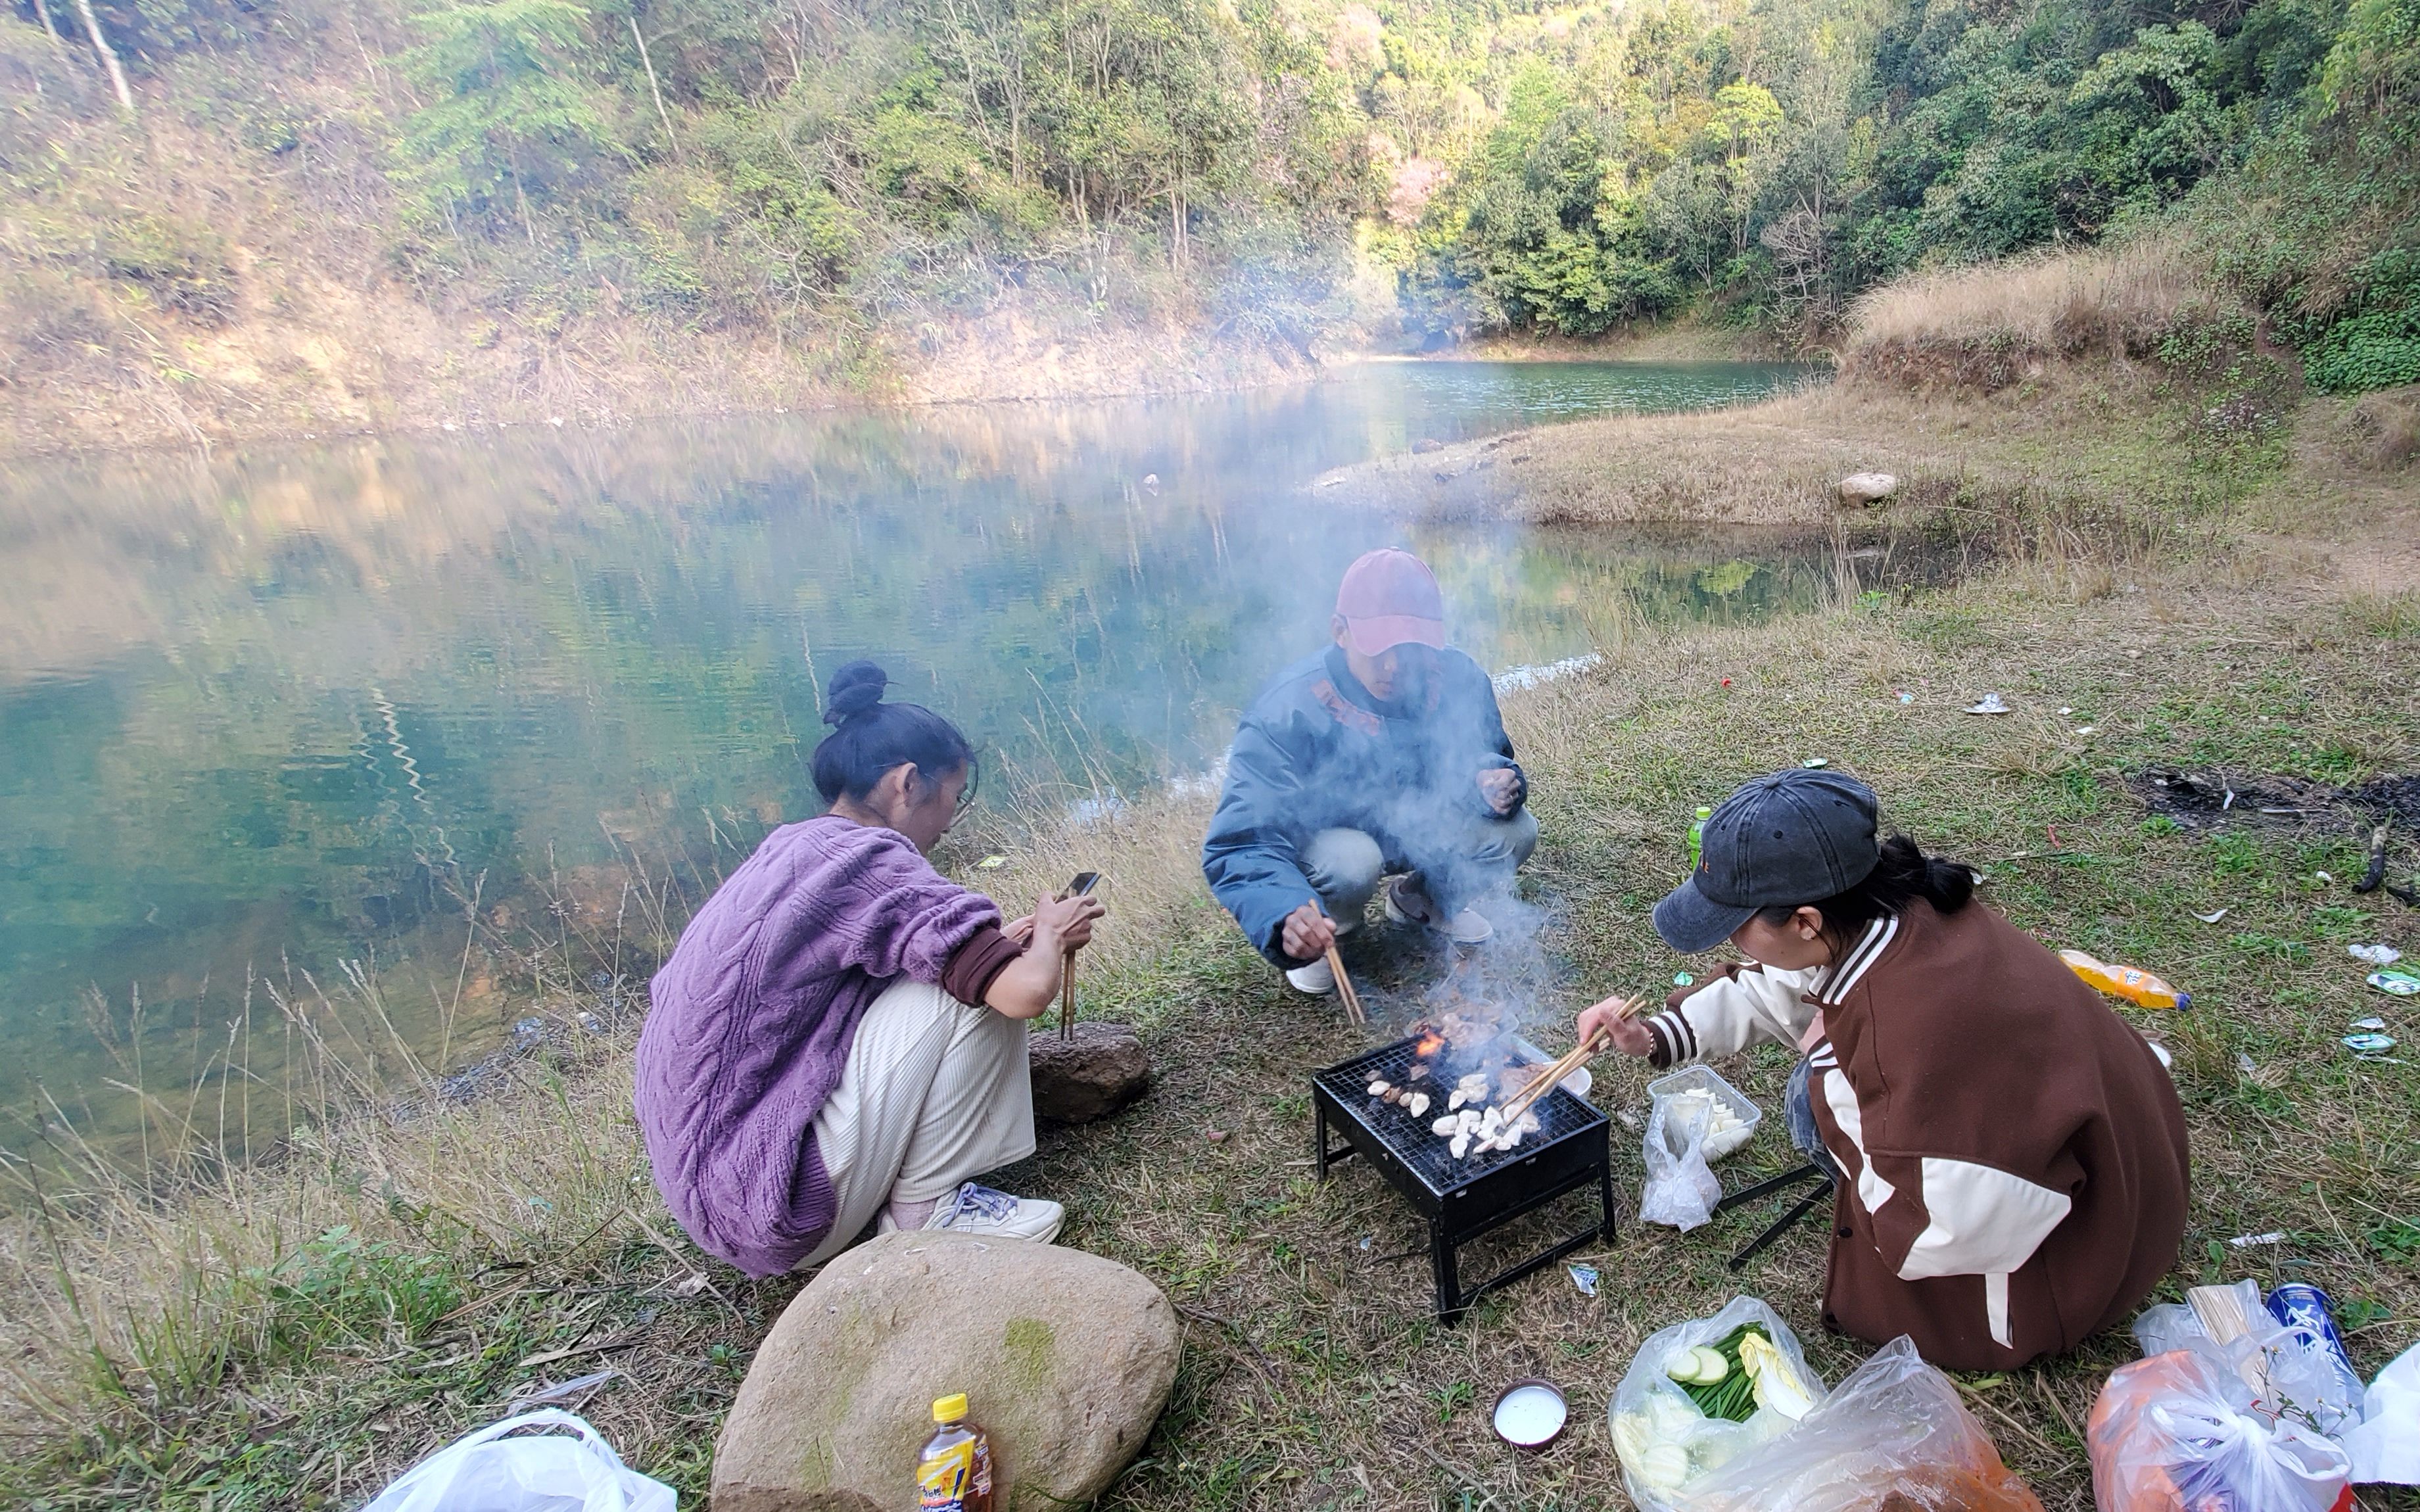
(2183, 603)
(1096, 370)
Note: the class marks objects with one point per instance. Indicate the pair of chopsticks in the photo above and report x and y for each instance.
(1569, 1061)
(1067, 996)
(1345, 989)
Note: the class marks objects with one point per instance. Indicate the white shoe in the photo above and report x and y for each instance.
(976, 1208)
(1317, 979)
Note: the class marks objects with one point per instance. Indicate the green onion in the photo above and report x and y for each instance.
(1733, 1398)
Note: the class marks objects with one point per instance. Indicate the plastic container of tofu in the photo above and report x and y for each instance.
(1700, 1083)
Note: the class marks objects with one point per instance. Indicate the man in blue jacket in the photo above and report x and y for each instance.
(1383, 753)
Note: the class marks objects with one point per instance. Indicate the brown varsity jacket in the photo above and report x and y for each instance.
(2013, 1154)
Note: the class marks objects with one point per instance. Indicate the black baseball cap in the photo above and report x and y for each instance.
(1796, 836)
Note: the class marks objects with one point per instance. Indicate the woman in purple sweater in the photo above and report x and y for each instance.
(839, 1037)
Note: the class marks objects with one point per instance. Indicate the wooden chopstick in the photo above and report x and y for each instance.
(1562, 1066)
(1067, 997)
(1344, 988)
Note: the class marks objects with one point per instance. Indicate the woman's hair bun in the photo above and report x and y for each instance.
(855, 689)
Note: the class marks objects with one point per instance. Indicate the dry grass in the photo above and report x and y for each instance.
(2096, 436)
(1990, 326)
(523, 1218)
(2387, 427)
(269, 301)
(200, 1339)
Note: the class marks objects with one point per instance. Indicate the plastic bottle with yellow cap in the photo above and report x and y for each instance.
(953, 1474)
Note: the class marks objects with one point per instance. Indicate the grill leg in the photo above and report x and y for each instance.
(1450, 1304)
(1604, 1195)
(1780, 1226)
(1780, 1183)
(1319, 1137)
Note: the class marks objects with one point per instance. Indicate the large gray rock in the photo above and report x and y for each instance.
(1090, 1076)
(1067, 1360)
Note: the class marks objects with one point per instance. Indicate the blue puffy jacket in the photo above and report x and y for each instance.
(1316, 752)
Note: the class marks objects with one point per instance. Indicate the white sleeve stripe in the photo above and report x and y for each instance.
(1995, 1306)
(1982, 1221)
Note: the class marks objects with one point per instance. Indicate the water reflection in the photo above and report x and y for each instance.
(272, 712)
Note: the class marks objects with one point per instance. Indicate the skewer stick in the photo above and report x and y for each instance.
(1067, 996)
(1344, 988)
(1563, 1066)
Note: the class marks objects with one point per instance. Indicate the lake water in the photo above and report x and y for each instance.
(271, 712)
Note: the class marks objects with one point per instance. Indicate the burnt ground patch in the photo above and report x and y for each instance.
(2383, 813)
(2215, 798)
(2389, 798)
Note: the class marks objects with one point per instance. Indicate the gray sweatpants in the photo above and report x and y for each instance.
(1462, 860)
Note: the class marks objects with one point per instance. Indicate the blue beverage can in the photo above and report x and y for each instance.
(2304, 1309)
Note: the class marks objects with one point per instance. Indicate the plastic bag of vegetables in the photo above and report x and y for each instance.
(1891, 1437)
(1703, 1393)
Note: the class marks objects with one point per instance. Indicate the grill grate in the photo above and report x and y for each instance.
(1560, 1116)
(1464, 1199)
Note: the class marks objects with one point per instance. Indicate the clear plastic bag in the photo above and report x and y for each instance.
(2302, 1378)
(543, 1461)
(2180, 1433)
(1665, 1443)
(1893, 1435)
(1682, 1189)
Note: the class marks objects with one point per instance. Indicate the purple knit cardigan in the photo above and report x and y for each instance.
(752, 1018)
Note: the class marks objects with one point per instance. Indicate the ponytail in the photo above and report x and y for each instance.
(1902, 875)
(869, 737)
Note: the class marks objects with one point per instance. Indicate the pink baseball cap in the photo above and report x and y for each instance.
(1389, 599)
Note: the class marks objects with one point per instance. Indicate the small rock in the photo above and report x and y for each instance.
(1427, 444)
(1217, 1136)
(1868, 487)
(1066, 1359)
(1092, 1075)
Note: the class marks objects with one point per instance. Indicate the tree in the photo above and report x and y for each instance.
(508, 105)
(1747, 119)
(107, 54)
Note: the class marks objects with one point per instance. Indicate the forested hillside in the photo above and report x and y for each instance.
(846, 191)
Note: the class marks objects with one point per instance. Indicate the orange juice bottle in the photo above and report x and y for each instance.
(2132, 983)
(953, 1474)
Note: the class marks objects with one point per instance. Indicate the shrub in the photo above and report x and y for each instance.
(2376, 345)
(341, 1288)
(181, 265)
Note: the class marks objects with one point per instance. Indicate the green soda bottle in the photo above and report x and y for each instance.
(1697, 835)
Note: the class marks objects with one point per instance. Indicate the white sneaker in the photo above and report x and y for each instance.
(976, 1208)
(1317, 979)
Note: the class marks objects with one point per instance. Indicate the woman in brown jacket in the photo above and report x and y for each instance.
(2009, 1156)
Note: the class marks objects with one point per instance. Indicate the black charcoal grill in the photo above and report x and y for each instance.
(1464, 1199)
